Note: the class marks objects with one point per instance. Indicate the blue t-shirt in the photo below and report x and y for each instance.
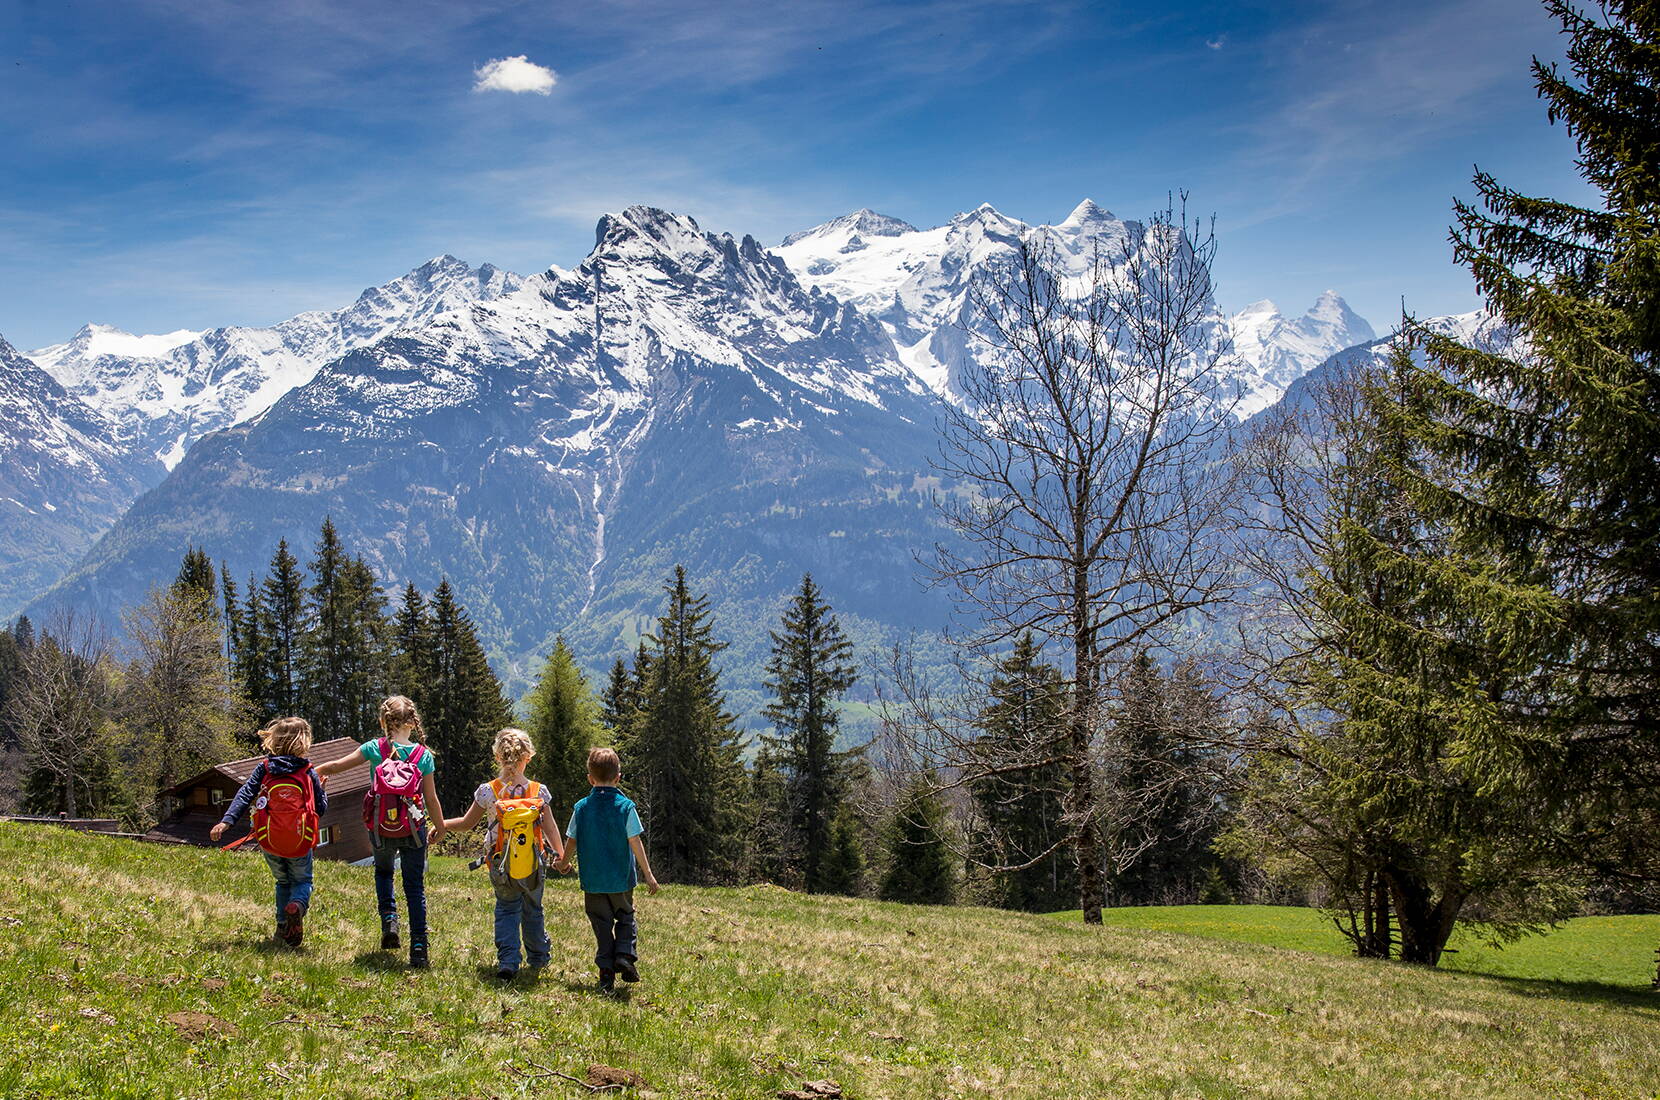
(602, 824)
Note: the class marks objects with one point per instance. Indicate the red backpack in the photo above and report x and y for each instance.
(393, 805)
(285, 814)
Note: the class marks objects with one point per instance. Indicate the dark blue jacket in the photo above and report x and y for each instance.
(281, 765)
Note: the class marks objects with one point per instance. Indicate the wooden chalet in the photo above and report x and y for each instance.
(203, 799)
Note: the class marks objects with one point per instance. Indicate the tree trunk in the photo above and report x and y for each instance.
(1081, 798)
(1426, 925)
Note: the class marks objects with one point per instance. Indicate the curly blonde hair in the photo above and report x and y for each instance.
(512, 745)
(398, 711)
(287, 737)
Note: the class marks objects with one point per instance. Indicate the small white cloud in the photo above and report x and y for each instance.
(1218, 42)
(514, 74)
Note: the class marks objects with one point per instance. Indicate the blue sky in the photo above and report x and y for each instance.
(189, 163)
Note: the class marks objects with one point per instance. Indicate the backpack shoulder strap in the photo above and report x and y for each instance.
(417, 753)
(383, 745)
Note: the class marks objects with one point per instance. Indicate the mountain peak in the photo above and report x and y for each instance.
(863, 222)
(1086, 213)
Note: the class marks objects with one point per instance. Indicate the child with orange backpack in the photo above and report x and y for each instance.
(288, 799)
(521, 820)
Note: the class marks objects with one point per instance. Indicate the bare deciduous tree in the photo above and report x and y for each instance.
(60, 708)
(1095, 503)
(179, 700)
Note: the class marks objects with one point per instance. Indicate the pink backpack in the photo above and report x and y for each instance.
(393, 805)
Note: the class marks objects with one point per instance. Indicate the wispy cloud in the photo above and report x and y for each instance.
(514, 74)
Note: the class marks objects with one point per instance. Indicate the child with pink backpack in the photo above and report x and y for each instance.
(402, 799)
(287, 797)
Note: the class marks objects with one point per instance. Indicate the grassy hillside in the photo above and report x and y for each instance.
(137, 970)
(1615, 952)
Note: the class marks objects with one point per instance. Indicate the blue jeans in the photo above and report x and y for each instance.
(414, 862)
(519, 910)
(612, 916)
(293, 881)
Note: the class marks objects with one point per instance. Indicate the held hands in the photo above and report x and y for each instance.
(216, 832)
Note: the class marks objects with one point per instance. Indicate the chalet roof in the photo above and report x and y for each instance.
(238, 771)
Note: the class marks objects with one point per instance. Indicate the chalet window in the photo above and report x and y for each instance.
(325, 835)
(198, 796)
(220, 796)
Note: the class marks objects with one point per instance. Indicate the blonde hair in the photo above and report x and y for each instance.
(512, 745)
(287, 737)
(398, 711)
(604, 765)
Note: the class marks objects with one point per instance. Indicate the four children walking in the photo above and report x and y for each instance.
(403, 815)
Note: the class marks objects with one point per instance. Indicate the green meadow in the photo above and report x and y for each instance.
(134, 970)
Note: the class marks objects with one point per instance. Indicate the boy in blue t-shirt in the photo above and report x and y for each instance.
(605, 826)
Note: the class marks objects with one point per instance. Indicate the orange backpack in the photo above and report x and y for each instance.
(518, 831)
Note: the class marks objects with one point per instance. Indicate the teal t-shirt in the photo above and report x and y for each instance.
(403, 749)
(602, 824)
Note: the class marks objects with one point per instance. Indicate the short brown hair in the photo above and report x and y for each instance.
(603, 765)
(287, 737)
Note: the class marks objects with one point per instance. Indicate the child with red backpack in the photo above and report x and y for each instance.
(402, 798)
(522, 825)
(288, 799)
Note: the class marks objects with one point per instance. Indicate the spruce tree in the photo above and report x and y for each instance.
(196, 574)
(563, 724)
(251, 661)
(414, 660)
(1162, 727)
(1019, 792)
(808, 673)
(684, 751)
(231, 615)
(843, 868)
(326, 646)
(617, 703)
(1546, 459)
(464, 706)
(283, 626)
(920, 866)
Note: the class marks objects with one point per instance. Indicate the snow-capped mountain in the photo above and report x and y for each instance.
(1282, 350)
(64, 475)
(165, 392)
(919, 284)
(556, 449)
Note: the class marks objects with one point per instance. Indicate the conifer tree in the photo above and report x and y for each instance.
(684, 751)
(563, 724)
(326, 646)
(920, 868)
(464, 706)
(1019, 790)
(1162, 729)
(231, 615)
(251, 661)
(368, 649)
(617, 702)
(843, 868)
(414, 657)
(1545, 460)
(283, 627)
(197, 575)
(808, 673)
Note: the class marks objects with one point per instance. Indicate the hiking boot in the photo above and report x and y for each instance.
(607, 982)
(295, 924)
(389, 936)
(418, 956)
(506, 975)
(626, 970)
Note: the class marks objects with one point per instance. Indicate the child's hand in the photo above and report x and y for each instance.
(651, 885)
(217, 831)
(438, 832)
